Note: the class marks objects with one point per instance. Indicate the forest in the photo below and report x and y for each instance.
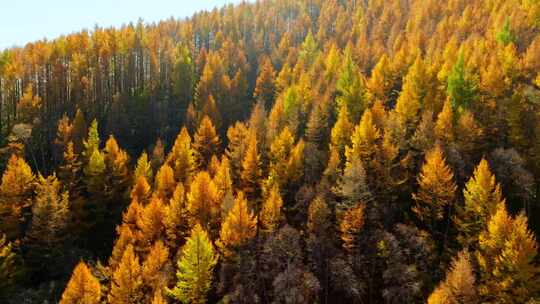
(277, 151)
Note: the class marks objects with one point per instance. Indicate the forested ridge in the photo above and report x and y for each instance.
(277, 151)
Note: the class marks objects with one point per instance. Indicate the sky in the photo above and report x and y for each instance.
(23, 21)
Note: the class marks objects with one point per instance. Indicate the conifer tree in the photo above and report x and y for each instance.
(506, 259)
(158, 155)
(150, 222)
(143, 168)
(222, 178)
(154, 268)
(265, 86)
(251, 169)
(50, 218)
(165, 182)
(342, 131)
(92, 141)
(271, 215)
(195, 267)
(15, 192)
(412, 95)
(381, 81)
(11, 269)
(116, 161)
(95, 173)
(206, 142)
(182, 157)
(280, 151)
(482, 195)
(70, 171)
(83, 287)
(461, 89)
(176, 216)
(436, 188)
(125, 238)
(350, 87)
(203, 201)
(141, 190)
(350, 226)
(444, 125)
(364, 139)
(126, 280)
(78, 132)
(459, 284)
(238, 228)
(237, 136)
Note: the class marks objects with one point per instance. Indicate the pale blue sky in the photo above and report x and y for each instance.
(23, 21)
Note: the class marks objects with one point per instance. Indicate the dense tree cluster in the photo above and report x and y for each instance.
(277, 152)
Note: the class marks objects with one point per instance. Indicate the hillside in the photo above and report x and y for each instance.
(277, 151)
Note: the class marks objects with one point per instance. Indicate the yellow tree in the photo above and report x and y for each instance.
(203, 201)
(271, 215)
(350, 226)
(238, 228)
(482, 195)
(165, 182)
(154, 268)
(195, 267)
(506, 257)
(251, 173)
(340, 136)
(436, 188)
(459, 284)
(82, 288)
(364, 139)
(126, 280)
(176, 217)
(444, 125)
(143, 168)
(15, 192)
(182, 157)
(206, 142)
(150, 222)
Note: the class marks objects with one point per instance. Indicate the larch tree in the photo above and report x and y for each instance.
(83, 287)
(126, 280)
(350, 226)
(176, 217)
(155, 267)
(364, 140)
(436, 188)
(461, 89)
(11, 267)
(237, 136)
(341, 133)
(482, 195)
(506, 259)
(206, 142)
(444, 125)
(143, 168)
(459, 286)
(412, 95)
(271, 214)
(164, 182)
(150, 222)
(351, 88)
(251, 173)
(265, 88)
(203, 202)
(50, 219)
(195, 267)
(239, 227)
(182, 157)
(16, 192)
